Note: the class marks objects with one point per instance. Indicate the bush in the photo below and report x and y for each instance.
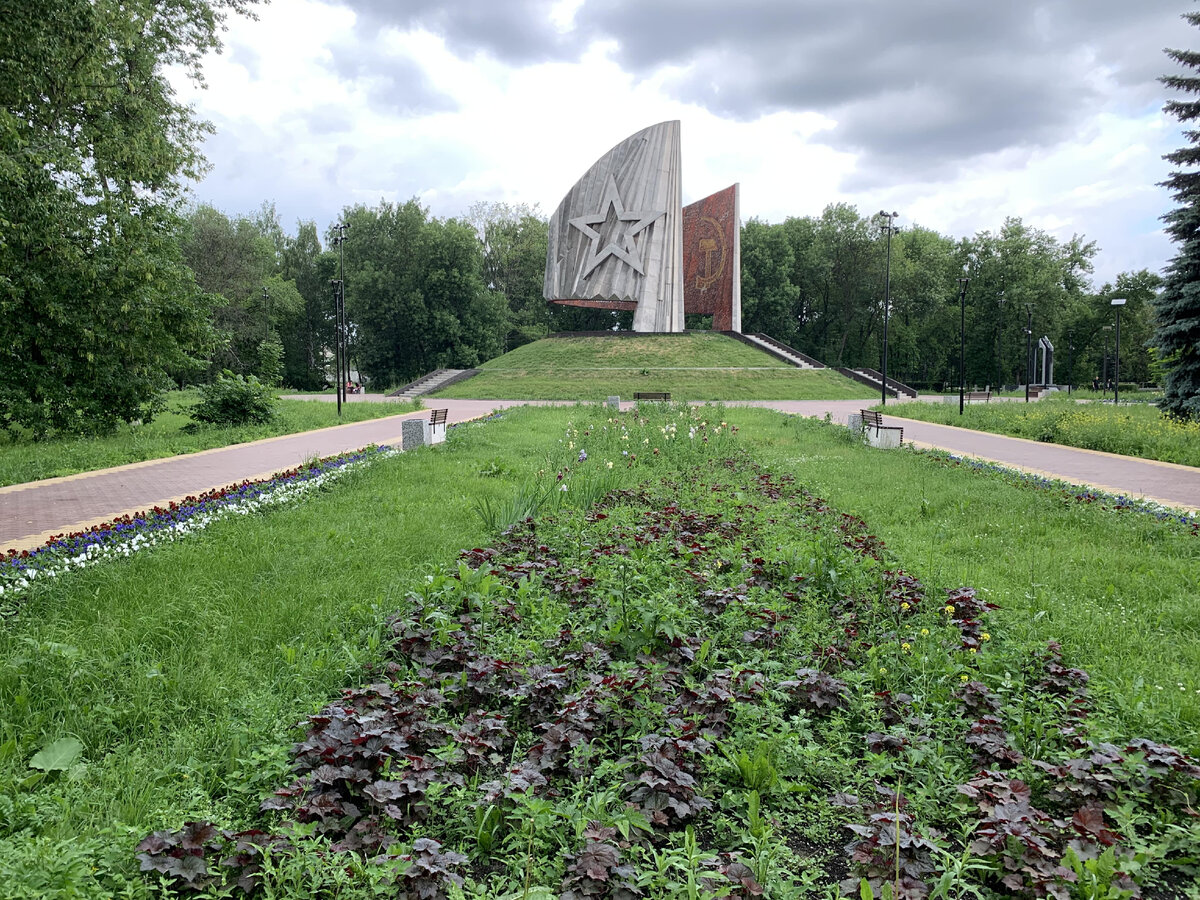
(234, 400)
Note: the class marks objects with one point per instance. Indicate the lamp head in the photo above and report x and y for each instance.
(1118, 301)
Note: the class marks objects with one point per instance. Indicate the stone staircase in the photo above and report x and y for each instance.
(427, 384)
(778, 349)
(874, 379)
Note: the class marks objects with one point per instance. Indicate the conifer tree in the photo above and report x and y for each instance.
(1177, 307)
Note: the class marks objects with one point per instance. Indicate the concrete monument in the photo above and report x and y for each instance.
(616, 240)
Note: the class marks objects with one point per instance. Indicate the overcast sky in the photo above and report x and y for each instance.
(956, 113)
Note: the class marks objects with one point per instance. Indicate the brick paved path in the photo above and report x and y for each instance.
(31, 513)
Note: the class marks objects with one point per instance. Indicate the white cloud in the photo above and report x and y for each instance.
(315, 111)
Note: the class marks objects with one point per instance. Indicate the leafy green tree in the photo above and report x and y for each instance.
(96, 306)
(306, 343)
(768, 294)
(1177, 308)
(415, 294)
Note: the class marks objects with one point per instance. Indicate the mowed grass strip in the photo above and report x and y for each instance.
(23, 459)
(683, 384)
(1136, 429)
(643, 351)
(1117, 588)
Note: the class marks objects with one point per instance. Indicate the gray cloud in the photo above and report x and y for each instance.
(394, 85)
(913, 86)
(515, 31)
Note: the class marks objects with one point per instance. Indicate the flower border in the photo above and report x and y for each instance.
(1076, 492)
(128, 534)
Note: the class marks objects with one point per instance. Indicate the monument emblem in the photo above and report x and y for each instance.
(621, 239)
(629, 224)
(709, 247)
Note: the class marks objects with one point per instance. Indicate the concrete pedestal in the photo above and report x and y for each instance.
(414, 433)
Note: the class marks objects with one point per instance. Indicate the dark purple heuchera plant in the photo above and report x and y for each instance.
(891, 850)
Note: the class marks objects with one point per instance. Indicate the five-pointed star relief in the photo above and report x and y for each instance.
(630, 223)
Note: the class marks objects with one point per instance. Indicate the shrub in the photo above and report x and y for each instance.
(234, 400)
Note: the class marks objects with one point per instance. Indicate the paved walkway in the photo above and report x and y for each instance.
(33, 512)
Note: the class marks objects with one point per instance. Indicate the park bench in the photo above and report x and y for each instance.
(873, 422)
(973, 396)
(437, 425)
(651, 395)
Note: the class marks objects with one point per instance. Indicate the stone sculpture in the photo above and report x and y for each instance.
(616, 240)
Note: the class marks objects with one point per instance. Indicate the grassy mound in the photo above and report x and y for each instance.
(689, 366)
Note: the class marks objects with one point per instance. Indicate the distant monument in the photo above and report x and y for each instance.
(620, 239)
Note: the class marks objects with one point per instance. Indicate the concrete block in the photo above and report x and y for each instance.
(883, 438)
(414, 433)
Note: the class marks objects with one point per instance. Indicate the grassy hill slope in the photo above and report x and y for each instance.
(689, 366)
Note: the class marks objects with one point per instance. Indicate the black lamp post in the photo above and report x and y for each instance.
(339, 311)
(1028, 347)
(887, 298)
(963, 281)
(1000, 340)
(337, 342)
(1070, 360)
(1118, 302)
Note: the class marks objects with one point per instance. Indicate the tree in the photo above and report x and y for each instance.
(1177, 307)
(307, 342)
(514, 242)
(415, 294)
(768, 295)
(96, 306)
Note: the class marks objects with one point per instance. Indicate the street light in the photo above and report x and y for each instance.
(339, 312)
(337, 342)
(1000, 339)
(887, 298)
(1118, 302)
(963, 281)
(1070, 359)
(1028, 347)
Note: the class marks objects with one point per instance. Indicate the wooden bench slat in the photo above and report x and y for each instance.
(438, 416)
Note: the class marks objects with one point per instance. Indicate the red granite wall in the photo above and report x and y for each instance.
(709, 232)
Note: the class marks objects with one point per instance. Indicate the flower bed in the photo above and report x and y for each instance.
(700, 687)
(132, 534)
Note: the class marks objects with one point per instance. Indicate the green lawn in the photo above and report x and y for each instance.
(703, 384)
(645, 351)
(688, 366)
(22, 459)
(183, 670)
(1136, 429)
